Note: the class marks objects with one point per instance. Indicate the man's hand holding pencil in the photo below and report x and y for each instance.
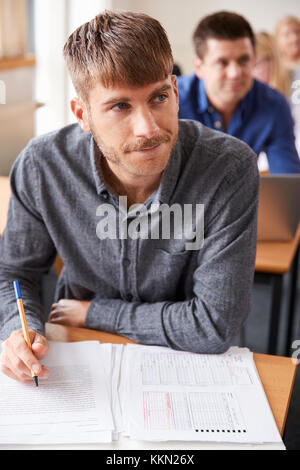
(23, 349)
(18, 361)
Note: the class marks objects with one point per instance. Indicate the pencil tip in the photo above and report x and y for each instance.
(36, 380)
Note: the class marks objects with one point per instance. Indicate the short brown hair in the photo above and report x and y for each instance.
(221, 25)
(118, 47)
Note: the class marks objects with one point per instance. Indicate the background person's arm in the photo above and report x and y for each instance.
(280, 148)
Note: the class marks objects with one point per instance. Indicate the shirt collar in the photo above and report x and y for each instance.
(203, 103)
(244, 107)
(95, 158)
(247, 100)
(202, 97)
(170, 175)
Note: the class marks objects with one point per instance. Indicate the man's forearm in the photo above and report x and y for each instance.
(9, 316)
(191, 325)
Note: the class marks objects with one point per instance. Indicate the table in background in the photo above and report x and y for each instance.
(277, 373)
(273, 261)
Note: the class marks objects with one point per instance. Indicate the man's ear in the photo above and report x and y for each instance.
(79, 109)
(198, 66)
(175, 88)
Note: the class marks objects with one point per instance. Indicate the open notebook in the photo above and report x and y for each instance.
(118, 395)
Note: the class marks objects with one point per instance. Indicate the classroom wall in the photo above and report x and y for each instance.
(53, 86)
(179, 17)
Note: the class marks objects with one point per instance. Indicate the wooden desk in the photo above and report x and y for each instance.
(276, 257)
(277, 373)
(273, 261)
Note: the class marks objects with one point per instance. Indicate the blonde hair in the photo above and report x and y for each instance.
(266, 48)
(286, 20)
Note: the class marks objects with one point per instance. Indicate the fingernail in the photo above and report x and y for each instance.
(36, 368)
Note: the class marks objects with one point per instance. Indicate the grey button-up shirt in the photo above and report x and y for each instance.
(153, 290)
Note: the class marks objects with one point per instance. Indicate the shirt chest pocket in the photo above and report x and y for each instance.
(172, 260)
(162, 274)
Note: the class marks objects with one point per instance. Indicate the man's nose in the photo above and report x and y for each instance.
(234, 70)
(144, 124)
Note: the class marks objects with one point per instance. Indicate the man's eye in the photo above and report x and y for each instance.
(120, 106)
(161, 98)
(244, 60)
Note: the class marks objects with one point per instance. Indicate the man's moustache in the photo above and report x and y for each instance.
(147, 143)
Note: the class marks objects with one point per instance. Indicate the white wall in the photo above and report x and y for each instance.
(180, 17)
(50, 82)
(79, 12)
(54, 21)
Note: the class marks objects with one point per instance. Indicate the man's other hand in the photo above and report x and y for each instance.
(69, 312)
(17, 360)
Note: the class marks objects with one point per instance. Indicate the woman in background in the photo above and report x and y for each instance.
(268, 67)
(287, 35)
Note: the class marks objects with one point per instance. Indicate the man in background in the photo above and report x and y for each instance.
(223, 95)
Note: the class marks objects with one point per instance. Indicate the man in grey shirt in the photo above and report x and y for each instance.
(127, 271)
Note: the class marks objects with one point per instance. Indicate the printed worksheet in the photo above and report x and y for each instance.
(72, 406)
(186, 396)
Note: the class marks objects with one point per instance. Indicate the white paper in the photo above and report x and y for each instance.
(112, 354)
(184, 396)
(116, 405)
(97, 393)
(124, 392)
(72, 406)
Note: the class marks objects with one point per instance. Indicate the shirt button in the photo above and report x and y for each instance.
(210, 109)
(126, 262)
(218, 124)
(129, 297)
(105, 195)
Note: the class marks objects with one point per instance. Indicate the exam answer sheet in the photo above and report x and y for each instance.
(184, 396)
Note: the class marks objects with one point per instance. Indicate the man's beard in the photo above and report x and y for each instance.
(112, 156)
